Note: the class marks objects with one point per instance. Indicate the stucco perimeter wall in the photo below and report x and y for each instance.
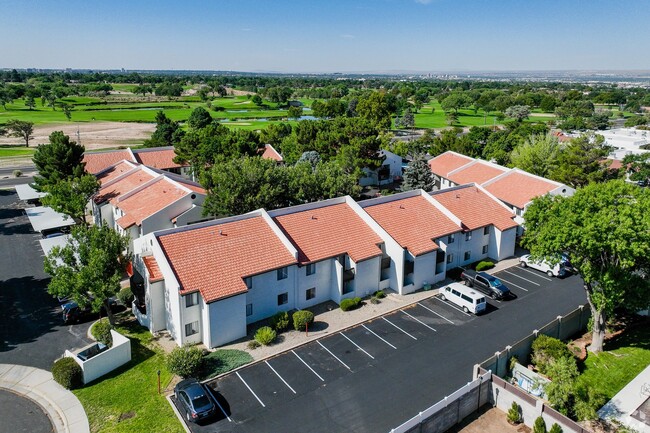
(105, 362)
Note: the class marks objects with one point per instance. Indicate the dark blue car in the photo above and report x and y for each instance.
(195, 400)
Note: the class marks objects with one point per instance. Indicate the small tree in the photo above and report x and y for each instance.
(418, 175)
(71, 196)
(560, 390)
(555, 428)
(301, 319)
(21, 129)
(265, 335)
(514, 413)
(540, 425)
(199, 118)
(67, 110)
(408, 120)
(60, 159)
(518, 112)
(67, 373)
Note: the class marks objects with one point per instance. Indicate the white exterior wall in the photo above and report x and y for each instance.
(502, 244)
(105, 212)
(155, 301)
(366, 277)
(424, 269)
(264, 294)
(227, 320)
(194, 214)
(189, 315)
(105, 362)
(321, 280)
(394, 162)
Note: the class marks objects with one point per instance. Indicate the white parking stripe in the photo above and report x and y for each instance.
(519, 276)
(399, 328)
(249, 388)
(358, 347)
(536, 273)
(278, 374)
(218, 404)
(415, 318)
(439, 315)
(307, 365)
(371, 331)
(512, 284)
(335, 357)
(452, 306)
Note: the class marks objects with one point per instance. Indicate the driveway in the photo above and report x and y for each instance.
(375, 376)
(31, 328)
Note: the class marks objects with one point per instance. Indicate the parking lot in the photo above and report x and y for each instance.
(374, 376)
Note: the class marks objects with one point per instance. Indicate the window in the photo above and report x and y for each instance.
(283, 298)
(468, 236)
(311, 293)
(249, 282)
(485, 249)
(451, 238)
(191, 299)
(467, 255)
(283, 273)
(249, 309)
(450, 258)
(486, 230)
(191, 328)
(311, 269)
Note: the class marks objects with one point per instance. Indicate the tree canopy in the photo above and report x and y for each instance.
(167, 133)
(61, 159)
(21, 129)
(418, 175)
(537, 155)
(605, 229)
(71, 196)
(89, 267)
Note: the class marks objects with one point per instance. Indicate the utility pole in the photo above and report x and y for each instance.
(78, 137)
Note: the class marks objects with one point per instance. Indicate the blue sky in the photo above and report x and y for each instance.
(326, 36)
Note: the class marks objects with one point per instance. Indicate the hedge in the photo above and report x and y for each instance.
(350, 304)
(481, 266)
(101, 331)
(547, 349)
(185, 361)
(67, 373)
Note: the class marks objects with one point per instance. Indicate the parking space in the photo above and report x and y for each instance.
(382, 359)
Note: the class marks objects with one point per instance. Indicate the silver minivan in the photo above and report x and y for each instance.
(465, 297)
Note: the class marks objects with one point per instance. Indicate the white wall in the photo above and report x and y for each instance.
(366, 277)
(424, 269)
(105, 362)
(189, 315)
(502, 244)
(321, 280)
(156, 305)
(264, 294)
(227, 320)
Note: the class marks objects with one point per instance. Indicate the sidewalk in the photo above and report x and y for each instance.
(62, 406)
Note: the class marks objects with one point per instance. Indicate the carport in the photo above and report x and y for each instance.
(44, 219)
(28, 194)
(48, 244)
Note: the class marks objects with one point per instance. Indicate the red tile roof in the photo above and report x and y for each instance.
(162, 159)
(329, 231)
(214, 259)
(122, 186)
(477, 172)
(115, 171)
(413, 222)
(96, 162)
(148, 201)
(519, 188)
(153, 269)
(271, 153)
(190, 185)
(475, 208)
(448, 161)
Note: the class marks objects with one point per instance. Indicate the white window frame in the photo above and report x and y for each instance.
(467, 256)
(450, 258)
(485, 249)
(313, 291)
(468, 236)
(192, 327)
(192, 299)
(451, 238)
(286, 298)
(283, 273)
(311, 269)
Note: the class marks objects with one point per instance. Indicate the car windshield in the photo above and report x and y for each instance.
(200, 401)
(495, 282)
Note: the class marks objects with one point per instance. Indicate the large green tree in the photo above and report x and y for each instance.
(537, 155)
(375, 108)
(60, 159)
(89, 267)
(168, 132)
(418, 175)
(21, 129)
(581, 161)
(71, 196)
(605, 229)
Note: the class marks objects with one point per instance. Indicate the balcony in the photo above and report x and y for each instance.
(408, 267)
(385, 262)
(348, 275)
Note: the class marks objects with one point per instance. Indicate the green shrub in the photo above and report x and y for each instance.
(375, 300)
(547, 349)
(350, 304)
(101, 331)
(253, 344)
(125, 296)
(555, 428)
(265, 335)
(481, 266)
(279, 321)
(185, 361)
(540, 425)
(379, 294)
(18, 173)
(514, 413)
(301, 318)
(67, 373)
(586, 403)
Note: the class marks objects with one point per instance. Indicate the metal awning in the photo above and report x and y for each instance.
(48, 244)
(45, 218)
(26, 192)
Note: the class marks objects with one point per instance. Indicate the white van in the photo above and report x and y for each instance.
(541, 265)
(465, 297)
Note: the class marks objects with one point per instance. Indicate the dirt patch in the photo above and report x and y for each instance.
(488, 420)
(93, 135)
(236, 92)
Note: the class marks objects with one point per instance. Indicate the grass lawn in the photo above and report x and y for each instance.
(224, 360)
(623, 359)
(127, 399)
(7, 152)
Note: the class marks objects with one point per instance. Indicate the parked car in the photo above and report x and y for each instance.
(557, 270)
(464, 297)
(73, 313)
(195, 400)
(485, 283)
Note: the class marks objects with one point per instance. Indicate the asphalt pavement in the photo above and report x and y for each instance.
(378, 374)
(21, 415)
(31, 328)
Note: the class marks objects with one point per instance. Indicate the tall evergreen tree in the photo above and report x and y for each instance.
(59, 160)
(418, 175)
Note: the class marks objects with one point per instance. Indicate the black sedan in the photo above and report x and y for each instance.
(195, 399)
